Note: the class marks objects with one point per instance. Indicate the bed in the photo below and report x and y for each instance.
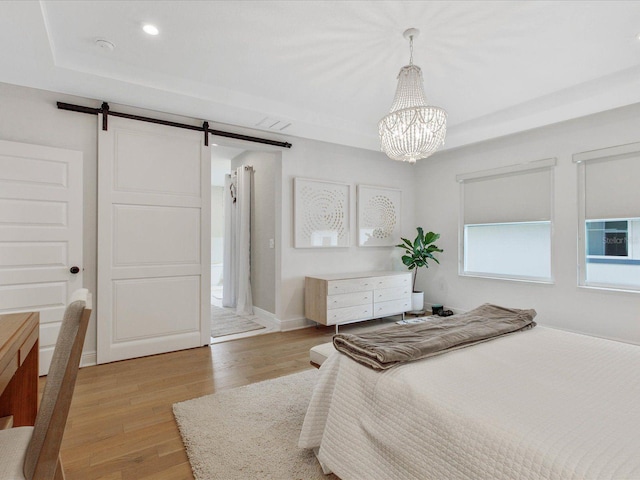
(541, 403)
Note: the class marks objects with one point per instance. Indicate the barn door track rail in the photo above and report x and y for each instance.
(104, 109)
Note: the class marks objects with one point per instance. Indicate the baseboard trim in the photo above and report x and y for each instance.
(295, 324)
(88, 359)
(267, 319)
(282, 325)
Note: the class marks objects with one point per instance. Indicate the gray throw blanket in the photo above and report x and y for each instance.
(387, 347)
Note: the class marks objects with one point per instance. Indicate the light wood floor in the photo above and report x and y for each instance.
(121, 425)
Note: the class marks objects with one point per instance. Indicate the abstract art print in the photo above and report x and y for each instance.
(378, 216)
(321, 214)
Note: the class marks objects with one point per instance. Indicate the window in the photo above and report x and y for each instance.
(505, 225)
(610, 217)
(518, 249)
(607, 238)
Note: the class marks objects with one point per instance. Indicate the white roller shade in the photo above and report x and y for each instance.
(513, 194)
(612, 187)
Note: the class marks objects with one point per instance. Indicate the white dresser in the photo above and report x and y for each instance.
(346, 298)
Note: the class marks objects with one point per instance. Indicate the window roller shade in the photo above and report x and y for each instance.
(523, 196)
(612, 187)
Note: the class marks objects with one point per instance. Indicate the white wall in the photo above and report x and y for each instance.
(325, 161)
(31, 116)
(430, 199)
(562, 304)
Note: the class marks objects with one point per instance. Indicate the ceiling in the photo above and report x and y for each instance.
(327, 69)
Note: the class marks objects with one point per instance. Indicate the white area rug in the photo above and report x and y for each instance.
(224, 322)
(250, 432)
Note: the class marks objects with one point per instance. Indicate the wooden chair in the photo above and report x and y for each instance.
(33, 453)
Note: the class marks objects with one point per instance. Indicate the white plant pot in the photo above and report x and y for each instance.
(417, 301)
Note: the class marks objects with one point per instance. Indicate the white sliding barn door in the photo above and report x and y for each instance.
(40, 234)
(153, 240)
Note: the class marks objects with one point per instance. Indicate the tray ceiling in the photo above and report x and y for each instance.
(327, 69)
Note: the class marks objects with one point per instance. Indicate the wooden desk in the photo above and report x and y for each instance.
(19, 334)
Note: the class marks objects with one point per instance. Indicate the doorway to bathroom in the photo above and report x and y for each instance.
(230, 317)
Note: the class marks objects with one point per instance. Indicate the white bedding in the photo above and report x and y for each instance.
(537, 404)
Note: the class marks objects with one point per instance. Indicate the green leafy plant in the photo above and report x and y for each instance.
(420, 251)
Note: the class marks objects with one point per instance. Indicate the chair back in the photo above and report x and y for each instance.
(41, 459)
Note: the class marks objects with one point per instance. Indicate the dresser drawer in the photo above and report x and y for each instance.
(395, 293)
(349, 314)
(392, 281)
(350, 299)
(382, 309)
(335, 287)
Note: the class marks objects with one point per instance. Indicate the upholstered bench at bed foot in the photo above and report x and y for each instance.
(319, 353)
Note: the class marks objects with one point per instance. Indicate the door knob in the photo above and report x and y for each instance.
(74, 269)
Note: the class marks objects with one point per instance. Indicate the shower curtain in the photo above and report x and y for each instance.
(236, 290)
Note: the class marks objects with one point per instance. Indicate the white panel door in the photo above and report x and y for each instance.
(40, 234)
(153, 232)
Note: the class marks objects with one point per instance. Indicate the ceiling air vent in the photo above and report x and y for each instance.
(270, 123)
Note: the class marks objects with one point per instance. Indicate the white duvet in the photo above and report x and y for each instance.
(537, 404)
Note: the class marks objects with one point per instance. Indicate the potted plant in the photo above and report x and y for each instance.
(417, 254)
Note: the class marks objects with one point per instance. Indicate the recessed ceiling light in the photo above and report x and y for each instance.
(150, 29)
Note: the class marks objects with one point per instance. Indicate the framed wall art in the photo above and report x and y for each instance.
(321, 213)
(378, 216)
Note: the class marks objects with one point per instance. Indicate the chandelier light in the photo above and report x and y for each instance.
(412, 130)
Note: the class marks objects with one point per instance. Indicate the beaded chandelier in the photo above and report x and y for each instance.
(412, 130)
